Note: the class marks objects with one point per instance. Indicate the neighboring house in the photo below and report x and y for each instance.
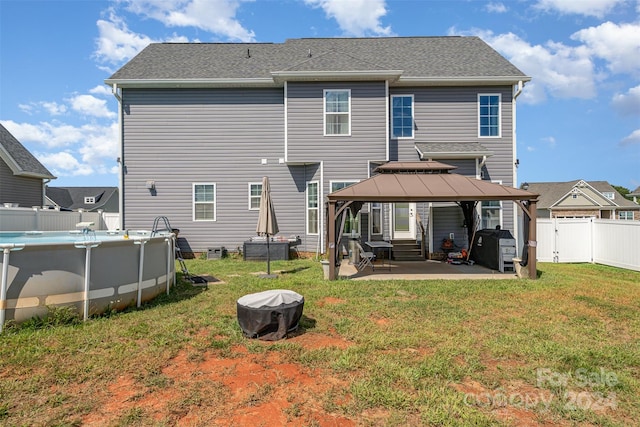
(201, 124)
(22, 176)
(86, 198)
(636, 195)
(582, 199)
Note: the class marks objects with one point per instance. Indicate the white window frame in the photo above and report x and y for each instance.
(412, 117)
(500, 208)
(89, 200)
(499, 135)
(252, 197)
(628, 215)
(375, 210)
(348, 182)
(326, 113)
(609, 195)
(214, 202)
(308, 209)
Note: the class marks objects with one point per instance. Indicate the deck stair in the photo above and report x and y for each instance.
(406, 250)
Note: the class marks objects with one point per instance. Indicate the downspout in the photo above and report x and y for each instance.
(114, 91)
(44, 191)
(514, 167)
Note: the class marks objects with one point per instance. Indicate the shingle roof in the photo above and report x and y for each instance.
(19, 159)
(551, 192)
(452, 150)
(416, 57)
(73, 197)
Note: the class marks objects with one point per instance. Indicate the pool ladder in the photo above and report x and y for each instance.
(167, 227)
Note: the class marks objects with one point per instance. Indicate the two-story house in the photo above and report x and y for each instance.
(22, 176)
(582, 199)
(201, 124)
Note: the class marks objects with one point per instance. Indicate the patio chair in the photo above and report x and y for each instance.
(366, 258)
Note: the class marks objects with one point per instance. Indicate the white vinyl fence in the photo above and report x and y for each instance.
(35, 219)
(601, 241)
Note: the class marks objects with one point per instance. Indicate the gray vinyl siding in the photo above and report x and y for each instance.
(450, 114)
(305, 123)
(27, 192)
(448, 220)
(178, 137)
(181, 137)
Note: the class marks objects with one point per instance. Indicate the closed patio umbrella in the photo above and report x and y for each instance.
(267, 223)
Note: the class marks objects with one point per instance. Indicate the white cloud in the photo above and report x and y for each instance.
(632, 138)
(64, 163)
(72, 150)
(556, 69)
(89, 105)
(216, 16)
(101, 90)
(627, 104)
(356, 17)
(549, 140)
(495, 7)
(618, 45)
(597, 8)
(54, 108)
(116, 43)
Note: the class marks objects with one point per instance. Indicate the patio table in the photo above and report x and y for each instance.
(381, 244)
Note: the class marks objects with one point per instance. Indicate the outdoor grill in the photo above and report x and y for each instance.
(494, 249)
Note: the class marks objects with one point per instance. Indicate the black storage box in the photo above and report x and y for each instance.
(257, 251)
(485, 249)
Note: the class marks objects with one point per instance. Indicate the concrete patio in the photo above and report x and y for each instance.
(421, 270)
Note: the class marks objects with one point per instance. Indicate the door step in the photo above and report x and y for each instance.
(406, 250)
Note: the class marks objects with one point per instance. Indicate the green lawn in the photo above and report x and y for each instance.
(564, 349)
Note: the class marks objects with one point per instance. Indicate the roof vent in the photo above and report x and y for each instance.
(248, 53)
(309, 54)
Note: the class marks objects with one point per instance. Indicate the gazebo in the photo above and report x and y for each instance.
(426, 181)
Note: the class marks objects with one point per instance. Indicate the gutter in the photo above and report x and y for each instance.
(114, 91)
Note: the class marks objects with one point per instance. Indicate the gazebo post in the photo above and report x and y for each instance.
(533, 243)
(331, 244)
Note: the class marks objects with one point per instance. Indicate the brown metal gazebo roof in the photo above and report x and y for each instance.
(425, 182)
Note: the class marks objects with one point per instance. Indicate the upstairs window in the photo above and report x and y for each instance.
(489, 116)
(255, 191)
(402, 116)
(204, 202)
(609, 195)
(89, 200)
(337, 112)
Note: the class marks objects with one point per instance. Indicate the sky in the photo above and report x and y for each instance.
(578, 118)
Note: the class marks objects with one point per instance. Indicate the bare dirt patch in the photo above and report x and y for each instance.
(245, 388)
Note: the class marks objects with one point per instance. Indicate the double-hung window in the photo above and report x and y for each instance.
(489, 116)
(351, 222)
(255, 191)
(337, 112)
(204, 202)
(491, 214)
(626, 215)
(402, 116)
(313, 211)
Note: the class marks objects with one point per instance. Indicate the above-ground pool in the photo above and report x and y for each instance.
(91, 270)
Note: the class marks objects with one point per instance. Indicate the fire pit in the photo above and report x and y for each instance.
(270, 315)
